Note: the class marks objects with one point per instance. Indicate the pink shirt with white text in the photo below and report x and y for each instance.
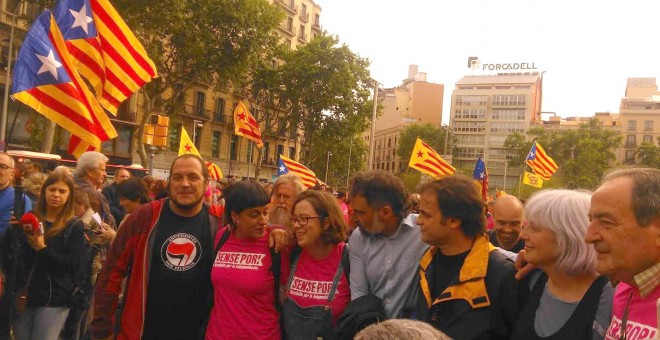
(313, 279)
(244, 293)
(642, 314)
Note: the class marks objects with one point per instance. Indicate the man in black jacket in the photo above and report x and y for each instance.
(467, 290)
(110, 193)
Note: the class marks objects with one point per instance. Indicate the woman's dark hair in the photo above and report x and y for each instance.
(134, 189)
(241, 196)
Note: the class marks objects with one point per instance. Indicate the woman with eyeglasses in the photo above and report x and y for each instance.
(318, 289)
(245, 271)
(569, 299)
(53, 261)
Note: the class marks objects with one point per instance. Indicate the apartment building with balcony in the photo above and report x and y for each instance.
(302, 23)
(414, 101)
(639, 114)
(484, 111)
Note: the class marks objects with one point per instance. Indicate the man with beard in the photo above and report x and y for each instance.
(286, 190)
(508, 220)
(165, 251)
(386, 245)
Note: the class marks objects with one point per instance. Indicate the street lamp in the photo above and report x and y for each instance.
(3, 122)
(370, 163)
(196, 124)
(327, 165)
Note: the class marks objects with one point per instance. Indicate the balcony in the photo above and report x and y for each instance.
(302, 37)
(290, 30)
(288, 6)
(270, 162)
(317, 26)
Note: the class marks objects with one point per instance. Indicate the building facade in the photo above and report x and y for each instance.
(414, 101)
(639, 113)
(484, 111)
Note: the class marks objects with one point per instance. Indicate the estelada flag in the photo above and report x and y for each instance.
(186, 145)
(532, 180)
(245, 125)
(542, 164)
(426, 160)
(45, 81)
(215, 173)
(307, 176)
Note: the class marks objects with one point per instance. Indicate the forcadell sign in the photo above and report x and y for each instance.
(475, 64)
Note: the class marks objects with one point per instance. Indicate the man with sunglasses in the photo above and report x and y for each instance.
(7, 195)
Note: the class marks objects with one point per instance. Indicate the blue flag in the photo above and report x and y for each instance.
(281, 167)
(480, 175)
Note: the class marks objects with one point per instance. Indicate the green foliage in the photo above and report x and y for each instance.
(518, 147)
(649, 154)
(411, 179)
(431, 134)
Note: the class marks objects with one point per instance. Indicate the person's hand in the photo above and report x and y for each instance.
(34, 239)
(107, 233)
(279, 239)
(523, 268)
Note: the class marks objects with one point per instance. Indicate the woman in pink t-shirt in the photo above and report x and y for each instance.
(318, 290)
(243, 272)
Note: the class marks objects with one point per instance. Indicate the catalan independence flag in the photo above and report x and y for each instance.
(245, 125)
(286, 165)
(426, 160)
(45, 81)
(542, 164)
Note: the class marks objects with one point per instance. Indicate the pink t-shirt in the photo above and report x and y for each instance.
(344, 210)
(312, 282)
(244, 293)
(642, 314)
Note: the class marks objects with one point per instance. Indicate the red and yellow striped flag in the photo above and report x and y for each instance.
(245, 125)
(308, 177)
(542, 164)
(426, 160)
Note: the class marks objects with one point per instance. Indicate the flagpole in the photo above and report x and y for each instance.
(249, 158)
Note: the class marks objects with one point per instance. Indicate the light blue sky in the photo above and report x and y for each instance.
(587, 48)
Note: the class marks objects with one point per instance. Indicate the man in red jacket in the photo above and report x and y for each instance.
(165, 251)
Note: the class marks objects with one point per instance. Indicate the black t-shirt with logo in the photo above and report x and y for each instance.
(179, 278)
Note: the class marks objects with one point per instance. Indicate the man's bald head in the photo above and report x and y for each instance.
(507, 220)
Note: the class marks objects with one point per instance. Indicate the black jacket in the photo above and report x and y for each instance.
(117, 211)
(57, 267)
(480, 303)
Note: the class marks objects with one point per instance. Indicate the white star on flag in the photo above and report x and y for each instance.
(282, 169)
(81, 19)
(49, 64)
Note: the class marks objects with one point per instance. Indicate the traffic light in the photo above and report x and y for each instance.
(155, 133)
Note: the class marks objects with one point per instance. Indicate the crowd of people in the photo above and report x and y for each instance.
(187, 259)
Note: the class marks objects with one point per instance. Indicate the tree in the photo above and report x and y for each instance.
(432, 135)
(649, 154)
(209, 42)
(327, 96)
(517, 147)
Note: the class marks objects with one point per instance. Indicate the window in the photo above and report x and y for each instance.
(514, 100)
(200, 103)
(281, 126)
(470, 139)
(648, 139)
(470, 126)
(303, 13)
(175, 130)
(508, 114)
(289, 24)
(265, 154)
(215, 144)
(631, 141)
(219, 115)
(648, 125)
(301, 34)
(470, 113)
(498, 153)
(317, 20)
(234, 148)
(507, 127)
(630, 156)
(469, 152)
(632, 125)
(292, 152)
(471, 100)
(280, 150)
(197, 138)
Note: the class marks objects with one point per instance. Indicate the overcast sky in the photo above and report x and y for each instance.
(587, 48)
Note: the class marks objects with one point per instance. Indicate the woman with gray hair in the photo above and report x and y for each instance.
(568, 299)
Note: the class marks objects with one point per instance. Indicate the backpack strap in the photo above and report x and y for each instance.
(223, 239)
(346, 262)
(276, 268)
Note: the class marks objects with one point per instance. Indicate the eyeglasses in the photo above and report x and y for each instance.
(302, 220)
(5, 167)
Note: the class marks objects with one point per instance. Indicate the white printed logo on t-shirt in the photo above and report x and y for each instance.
(236, 260)
(317, 290)
(181, 252)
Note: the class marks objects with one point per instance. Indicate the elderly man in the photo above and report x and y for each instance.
(508, 219)
(89, 177)
(625, 231)
(110, 193)
(286, 190)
